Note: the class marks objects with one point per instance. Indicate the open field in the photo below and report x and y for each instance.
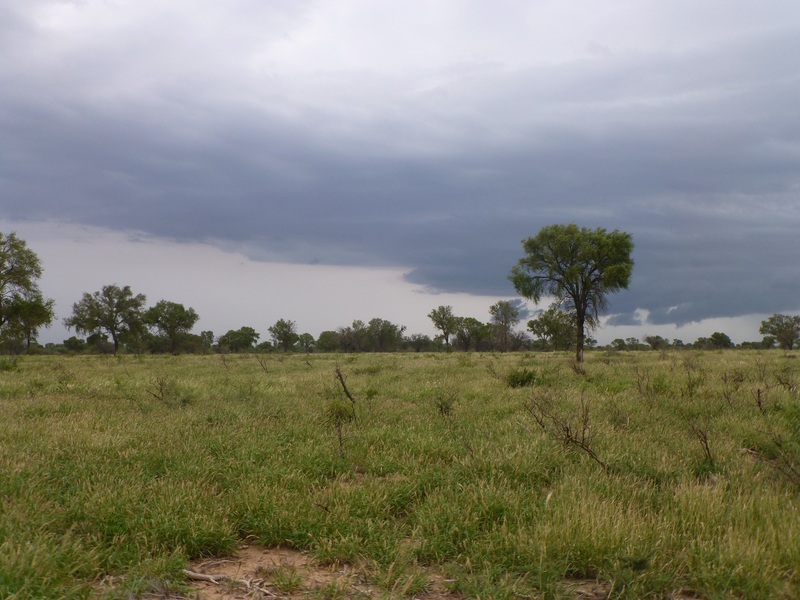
(649, 474)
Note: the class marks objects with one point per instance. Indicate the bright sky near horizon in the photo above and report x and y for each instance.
(325, 161)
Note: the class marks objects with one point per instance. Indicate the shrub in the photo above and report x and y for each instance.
(521, 377)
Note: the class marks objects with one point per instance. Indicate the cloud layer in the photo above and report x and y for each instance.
(431, 137)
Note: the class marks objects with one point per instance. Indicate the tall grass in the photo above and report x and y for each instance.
(115, 472)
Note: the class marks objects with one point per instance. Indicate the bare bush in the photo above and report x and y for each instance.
(575, 434)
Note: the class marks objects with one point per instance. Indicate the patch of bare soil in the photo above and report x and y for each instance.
(255, 572)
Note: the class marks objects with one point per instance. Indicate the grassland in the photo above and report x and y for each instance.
(658, 474)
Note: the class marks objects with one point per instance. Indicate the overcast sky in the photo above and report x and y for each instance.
(402, 151)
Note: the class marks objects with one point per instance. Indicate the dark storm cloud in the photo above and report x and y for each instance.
(444, 170)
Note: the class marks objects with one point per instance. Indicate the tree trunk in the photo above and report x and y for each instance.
(581, 320)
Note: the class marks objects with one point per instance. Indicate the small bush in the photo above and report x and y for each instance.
(523, 377)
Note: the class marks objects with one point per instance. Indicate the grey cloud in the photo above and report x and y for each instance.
(695, 152)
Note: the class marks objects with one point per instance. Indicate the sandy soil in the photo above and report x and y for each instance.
(258, 573)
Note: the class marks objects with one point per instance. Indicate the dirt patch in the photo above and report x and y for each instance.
(255, 572)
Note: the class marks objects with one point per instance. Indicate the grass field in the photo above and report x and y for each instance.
(657, 474)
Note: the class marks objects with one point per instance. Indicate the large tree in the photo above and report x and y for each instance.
(19, 271)
(172, 320)
(445, 321)
(579, 267)
(785, 329)
(113, 310)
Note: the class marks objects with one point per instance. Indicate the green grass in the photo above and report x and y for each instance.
(115, 472)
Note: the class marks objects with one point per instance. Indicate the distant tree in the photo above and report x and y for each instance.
(284, 334)
(578, 266)
(785, 329)
(676, 343)
(619, 344)
(384, 336)
(720, 340)
(206, 340)
(328, 341)
(633, 343)
(419, 342)
(75, 344)
(555, 328)
(747, 345)
(172, 320)
(306, 343)
(265, 347)
(28, 314)
(519, 340)
(112, 310)
(354, 338)
(505, 316)
(238, 340)
(656, 342)
(445, 321)
(471, 333)
(768, 341)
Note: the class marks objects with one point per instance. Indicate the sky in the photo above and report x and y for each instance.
(323, 161)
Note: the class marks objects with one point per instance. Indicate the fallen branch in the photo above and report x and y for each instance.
(195, 576)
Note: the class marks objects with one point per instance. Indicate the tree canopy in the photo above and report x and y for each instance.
(238, 340)
(20, 271)
(445, 321)
(112, 310)
(579, 267)
(505, 316)
(26, 315)
(284, 334)
(172, 320)
(784, 328)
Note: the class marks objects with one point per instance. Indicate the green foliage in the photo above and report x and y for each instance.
(328, 341)
(556, 328)
(505, 315)
(578, 266)
(20, 271)
(239, 340)
(716, 341)
(112, 310)
(471, 334)
(306, 342)
(384, 336)
(379, 335)
(785, 329)
(656, 342)
(284, 334)
(445, 321)
(23, 309)
(173, 321)
(521, 377)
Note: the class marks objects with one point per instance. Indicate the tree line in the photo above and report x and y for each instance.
(577, 267)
